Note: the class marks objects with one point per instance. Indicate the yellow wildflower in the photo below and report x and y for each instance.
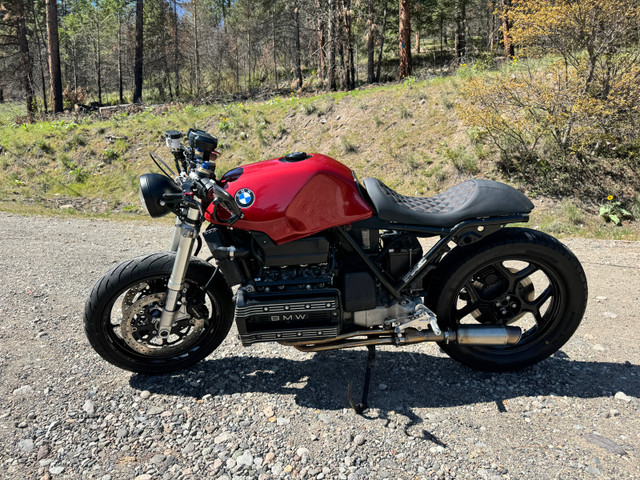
(610, 197)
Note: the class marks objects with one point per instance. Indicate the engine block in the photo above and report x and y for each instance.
(268, 317)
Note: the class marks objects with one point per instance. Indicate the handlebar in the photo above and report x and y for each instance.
(194, 176)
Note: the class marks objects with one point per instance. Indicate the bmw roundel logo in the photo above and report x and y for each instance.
(245, 197)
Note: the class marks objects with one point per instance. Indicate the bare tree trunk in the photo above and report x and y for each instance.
(55, 77)
(321, 40)
(137, 71)
(296, 18)
(98, 59)
(351, 69)
(25, 59)
(382, 36)
(418, 40)
(176, 57)
(461, 27)
(332, 47)
(120, 86)
(405, 38)
(196, 44)
(39, 39)
(492, 25)
(275, 58)
(441, 34)
(506, 26)
(370, 43)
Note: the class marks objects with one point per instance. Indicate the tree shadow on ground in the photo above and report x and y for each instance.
(411, 380)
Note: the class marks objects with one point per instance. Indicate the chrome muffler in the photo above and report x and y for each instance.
(468, 335)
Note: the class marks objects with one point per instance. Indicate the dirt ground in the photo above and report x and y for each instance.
(272, 412)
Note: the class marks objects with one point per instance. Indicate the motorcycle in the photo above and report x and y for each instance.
(322, 261)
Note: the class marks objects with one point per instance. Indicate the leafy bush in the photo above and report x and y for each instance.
(551, 117)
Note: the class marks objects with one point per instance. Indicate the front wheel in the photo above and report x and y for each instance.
(517, 277)
(122, 314)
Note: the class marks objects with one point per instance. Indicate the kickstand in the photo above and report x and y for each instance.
(359, 408)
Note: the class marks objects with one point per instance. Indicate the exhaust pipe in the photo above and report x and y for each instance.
(465, 335)
(483, 335)
(468, 335)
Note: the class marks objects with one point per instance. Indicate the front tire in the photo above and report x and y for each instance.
(122, 312)
(517, 277)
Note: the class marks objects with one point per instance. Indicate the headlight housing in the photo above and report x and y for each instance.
(152, 187)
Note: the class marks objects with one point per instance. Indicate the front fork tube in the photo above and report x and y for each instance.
(177, 235)
(183, 240)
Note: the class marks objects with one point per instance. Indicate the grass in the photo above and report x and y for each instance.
(406, 134)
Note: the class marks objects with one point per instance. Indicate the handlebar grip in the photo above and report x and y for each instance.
(171, 196)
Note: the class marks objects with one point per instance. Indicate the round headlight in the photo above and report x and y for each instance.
(152, 187)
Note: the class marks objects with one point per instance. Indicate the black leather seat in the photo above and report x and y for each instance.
(470, 199)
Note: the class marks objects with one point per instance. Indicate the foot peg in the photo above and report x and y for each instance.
(359, 408)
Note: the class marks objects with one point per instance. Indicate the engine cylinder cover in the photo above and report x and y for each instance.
(268, 317)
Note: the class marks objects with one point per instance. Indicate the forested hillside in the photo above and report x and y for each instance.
(191, 49)
(543, 94)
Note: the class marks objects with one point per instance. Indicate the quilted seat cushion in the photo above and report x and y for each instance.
(468, 200)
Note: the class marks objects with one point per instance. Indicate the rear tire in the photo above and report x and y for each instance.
(122, 312)
(516, 277)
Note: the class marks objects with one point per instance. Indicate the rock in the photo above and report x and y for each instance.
(223, 437)
(43, 451)
(593, 470)
(598, 348)
(610, 315)
(269, 457)
(268, 411)
(158, 459)
(359, 439)
(190, 447)
(89, 407)
(283, 421)
(437, 449)
(606, 443)
(26, 445)
(382, 386)
(24, 390)
(324, 418)
(302, 452)
(56, 470)
(622, 396)
(144, 476)
(245, 459)
(145, 394)
(122, 432)
(600, 297)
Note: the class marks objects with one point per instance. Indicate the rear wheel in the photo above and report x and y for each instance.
(122, 315)
(516, 277)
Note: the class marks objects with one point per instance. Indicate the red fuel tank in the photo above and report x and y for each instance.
(292, 197)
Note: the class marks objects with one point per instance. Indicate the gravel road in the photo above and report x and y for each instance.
(272, 412)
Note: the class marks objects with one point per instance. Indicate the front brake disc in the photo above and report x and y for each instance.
(139, 328)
